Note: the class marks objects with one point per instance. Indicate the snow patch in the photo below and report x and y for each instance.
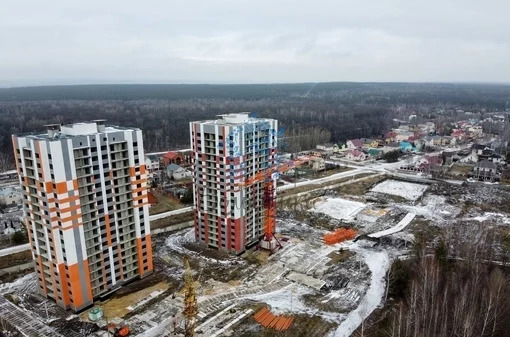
(338, 208)
(409, 191)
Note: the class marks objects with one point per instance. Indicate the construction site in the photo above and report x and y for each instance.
(319, 264)
(336, 238)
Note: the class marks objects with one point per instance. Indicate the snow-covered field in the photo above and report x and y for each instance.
(338, 208)
(410, 191)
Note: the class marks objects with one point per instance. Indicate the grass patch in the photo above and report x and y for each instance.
(172, 220)
(311, 187)
(165, 203)
(15, 259)
(360, 187)
(459, 171)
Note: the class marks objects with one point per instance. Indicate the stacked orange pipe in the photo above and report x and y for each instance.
(341, 234)
(268, 320)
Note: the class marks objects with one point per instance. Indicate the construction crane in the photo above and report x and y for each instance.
(268, 176)
(190, 309)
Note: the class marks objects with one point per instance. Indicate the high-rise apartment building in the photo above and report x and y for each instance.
(85, 209)
(229, 214)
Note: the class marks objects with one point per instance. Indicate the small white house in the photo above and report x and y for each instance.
(10, 196)
(174, 171)
(152, 166)
(328, 147)
(317, 163)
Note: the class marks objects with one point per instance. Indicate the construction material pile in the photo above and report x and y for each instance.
(341, 234)
(268, 320)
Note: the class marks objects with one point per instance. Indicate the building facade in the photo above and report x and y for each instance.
(229, 214)
(85, 209)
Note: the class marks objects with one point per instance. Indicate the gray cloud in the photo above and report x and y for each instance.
(233, 41)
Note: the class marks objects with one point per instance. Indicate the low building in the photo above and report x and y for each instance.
(152, 166)
(356, 155)
(407, 147)
(354, 144)
(173, 157)
(10, 196)
(390, 137)
(176, 172)
(317, 164)
(485, 171)
(374, 153)
(328, 147)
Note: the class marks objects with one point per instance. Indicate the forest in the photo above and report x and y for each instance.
(310, 113)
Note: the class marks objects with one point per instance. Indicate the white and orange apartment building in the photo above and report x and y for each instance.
(229, 215)
(85, 209)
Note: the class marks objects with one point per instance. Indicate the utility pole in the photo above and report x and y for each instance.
(190, 309)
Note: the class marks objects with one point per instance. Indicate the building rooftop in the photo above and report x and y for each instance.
(58, 131)
(235, 119)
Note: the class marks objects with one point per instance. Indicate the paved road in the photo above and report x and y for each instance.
(25, 323)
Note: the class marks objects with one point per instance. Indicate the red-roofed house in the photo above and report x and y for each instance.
(356, 155)
(354, 144)
(458, 134)
(390, 136)
(173, 157)
(425, 163)
(413, 138)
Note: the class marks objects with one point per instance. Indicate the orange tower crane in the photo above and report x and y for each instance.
(268, 176)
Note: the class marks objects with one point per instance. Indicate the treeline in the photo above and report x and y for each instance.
(165, 123)
(490, 96)
(310, 113)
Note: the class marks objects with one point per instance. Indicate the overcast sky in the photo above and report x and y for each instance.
(257, 41)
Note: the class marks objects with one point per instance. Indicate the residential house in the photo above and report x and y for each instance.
(174, 171)
(479, 148)
(10, 196)
(476, 131)
(317, 153)
(424, 164)
(429, 141)
(485, 171)
(152, 166)
(173, 157)
(459, 136)
(390, 137)
(407, 147)
(374, 153)
(317, 164)
(354, 144)
(375, 143)
(419, 144)
(356, 155)
(390, 147)
(404, 135)
(328, 147)
(428, 127)
(366, 141)
(449, 157)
